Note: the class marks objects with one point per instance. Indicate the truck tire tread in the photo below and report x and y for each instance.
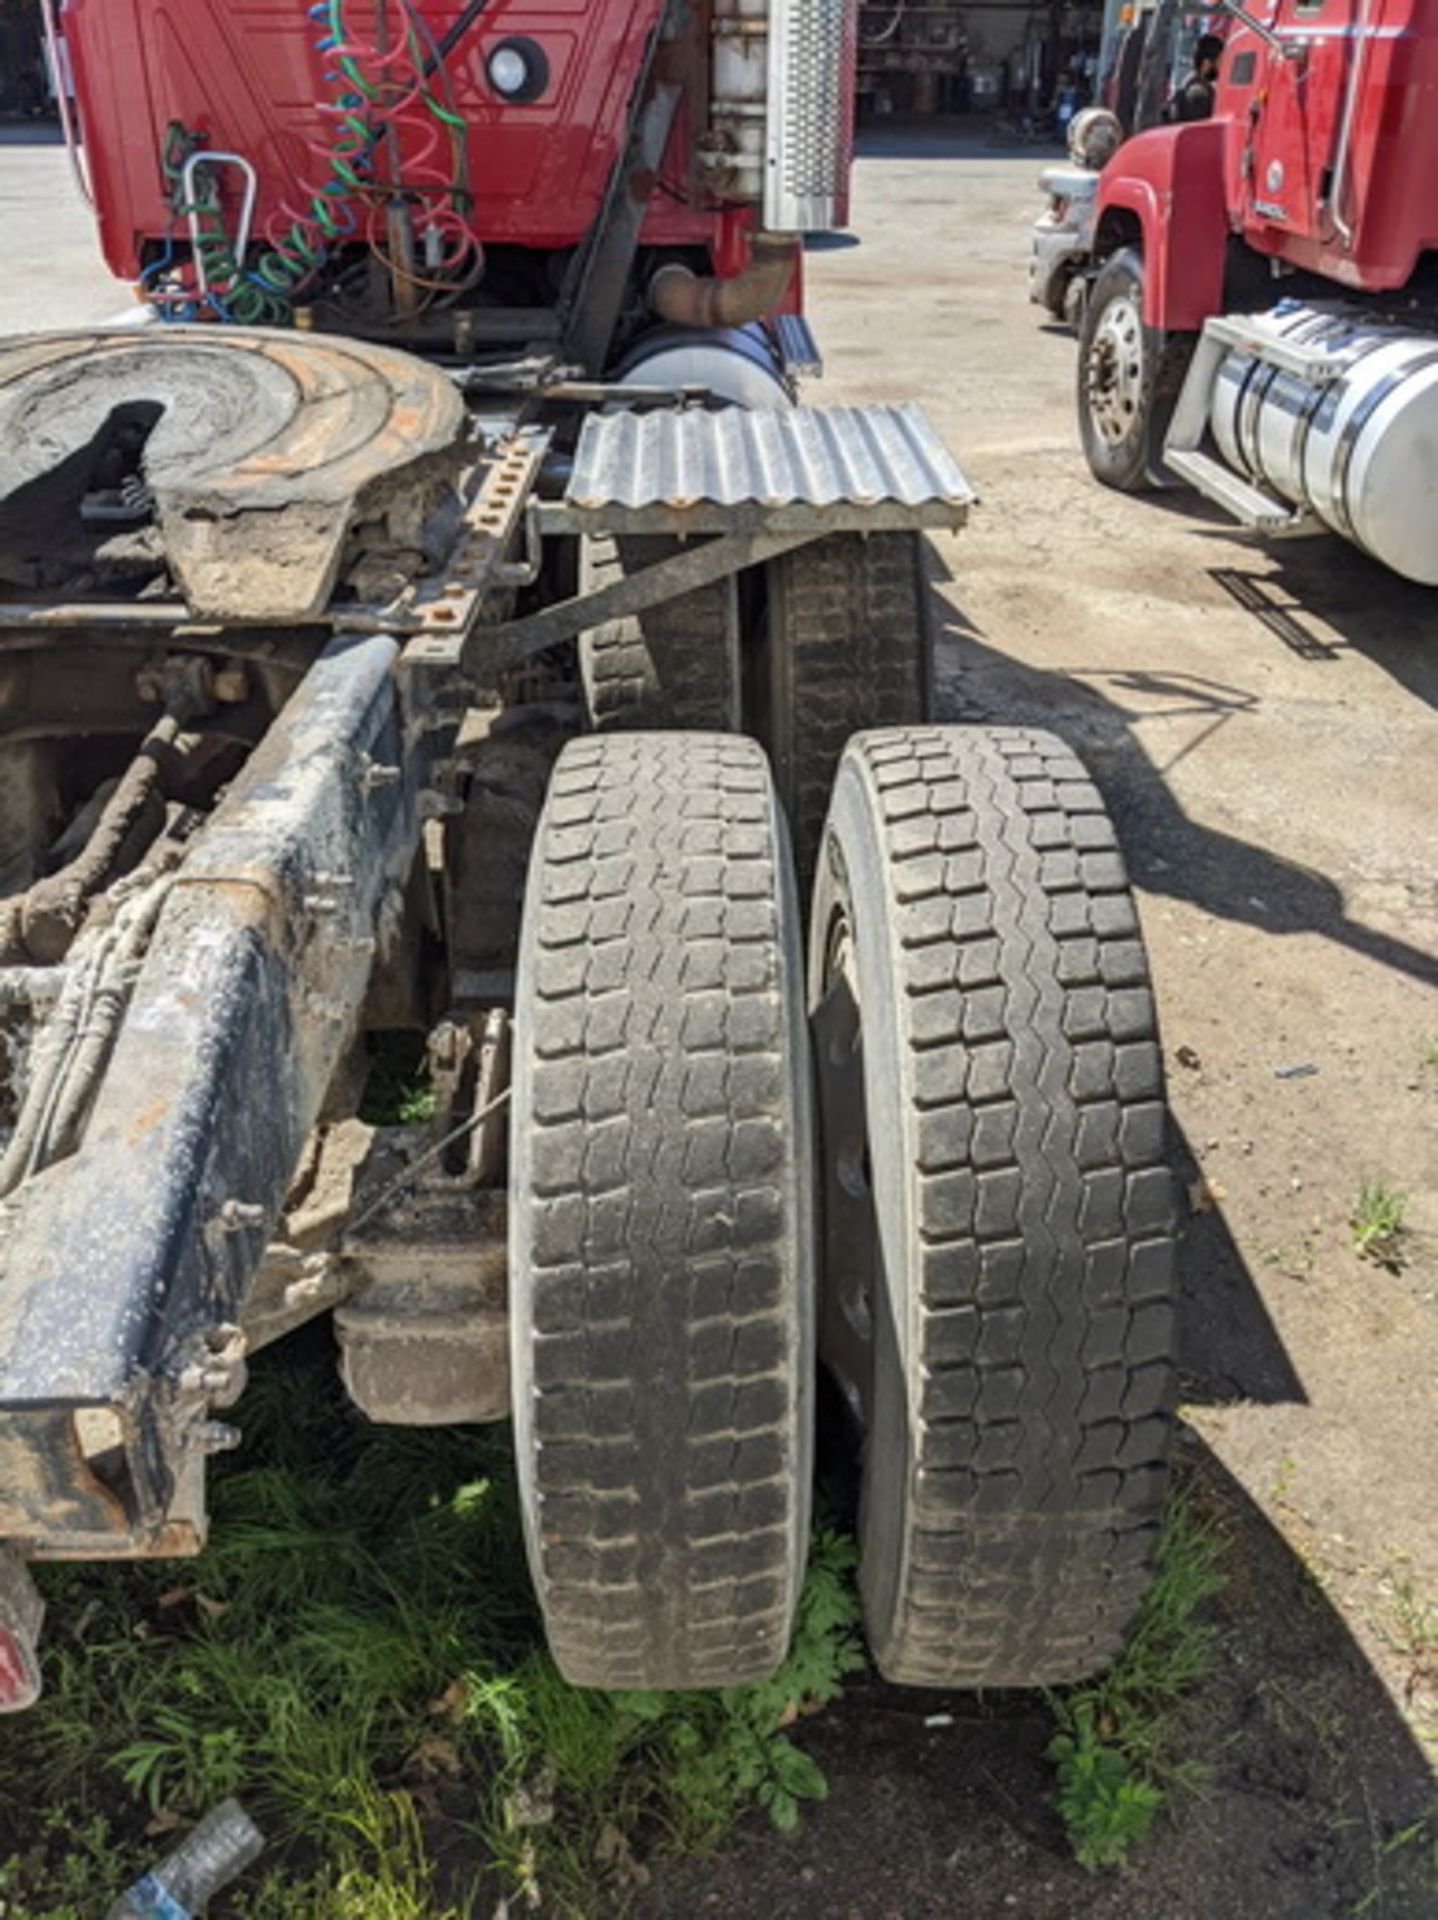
(673, 666)
(1042, 1207)
(848, 649)
(661, 1264)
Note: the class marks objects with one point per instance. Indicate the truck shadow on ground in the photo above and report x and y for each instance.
(1321, 599)
(1168, 853)
(1229, 1349)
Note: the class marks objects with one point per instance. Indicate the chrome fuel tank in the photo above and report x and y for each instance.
(1359, 449)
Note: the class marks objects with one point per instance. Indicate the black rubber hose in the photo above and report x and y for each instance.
(455, 34)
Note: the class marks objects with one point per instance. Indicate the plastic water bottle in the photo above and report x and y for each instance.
(185, 1881)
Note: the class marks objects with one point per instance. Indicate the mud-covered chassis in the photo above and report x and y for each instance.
(353, 708)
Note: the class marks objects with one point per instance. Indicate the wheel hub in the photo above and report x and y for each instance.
(1116, 371)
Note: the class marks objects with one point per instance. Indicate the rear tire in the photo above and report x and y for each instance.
(998, 1302)
(846, 647)
(616, 670)
(1129, 379)
(660, 1203)
(677, 665)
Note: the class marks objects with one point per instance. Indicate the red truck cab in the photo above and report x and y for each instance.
(1321, 154)
(1308, 203)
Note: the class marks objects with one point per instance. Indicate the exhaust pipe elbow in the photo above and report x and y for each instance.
(688, 299)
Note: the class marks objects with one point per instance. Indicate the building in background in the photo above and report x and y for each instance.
(1035, 63)
(24, 80)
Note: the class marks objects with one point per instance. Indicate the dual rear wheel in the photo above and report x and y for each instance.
(661, 1270)
(818, 644)
(948, 1178)
(997, 1306)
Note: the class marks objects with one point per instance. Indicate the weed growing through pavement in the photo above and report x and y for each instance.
(1117, 1747)
(1378, 1224)
(1283, 1479)
(357, 1655)
(1408, 1624)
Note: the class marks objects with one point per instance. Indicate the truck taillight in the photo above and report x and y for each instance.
(21, 1612)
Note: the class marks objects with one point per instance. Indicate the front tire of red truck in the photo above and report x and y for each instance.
(1129, 379)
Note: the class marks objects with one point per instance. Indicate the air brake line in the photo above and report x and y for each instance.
(297, 253)
(455, 34)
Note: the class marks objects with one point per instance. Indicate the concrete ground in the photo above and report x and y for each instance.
(1262, 722)
(54, 274)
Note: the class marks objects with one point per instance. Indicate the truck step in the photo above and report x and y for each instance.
(1248, 504)
(1241, 333)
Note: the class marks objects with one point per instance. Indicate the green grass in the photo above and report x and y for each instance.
(1119, 1749)
(1421, 1837)
(357, 1656)
(1378, 1223)
(398, 1092)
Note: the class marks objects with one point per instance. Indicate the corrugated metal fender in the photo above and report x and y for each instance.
(774, 457)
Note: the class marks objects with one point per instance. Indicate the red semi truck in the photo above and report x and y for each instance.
(441, 619)
(1262, 321)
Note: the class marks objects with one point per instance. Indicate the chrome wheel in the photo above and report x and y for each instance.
(1116, 372)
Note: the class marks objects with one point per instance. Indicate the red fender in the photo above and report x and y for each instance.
(1171, 178)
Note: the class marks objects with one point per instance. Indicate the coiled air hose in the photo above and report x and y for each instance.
(383, 95)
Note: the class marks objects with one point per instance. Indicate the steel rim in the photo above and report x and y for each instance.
(1116, 371)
